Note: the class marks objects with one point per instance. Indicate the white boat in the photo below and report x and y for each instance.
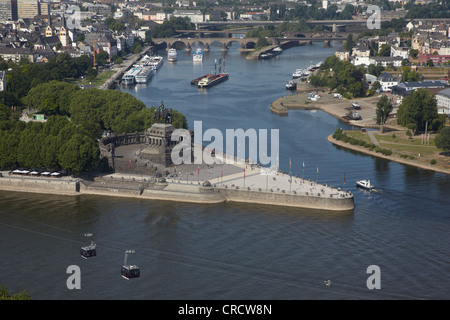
(145, 75)
(365, 184)
(129, 77)
(155, 62)
(198, 55)
(291, 85)
(172, 55)
(300, 73)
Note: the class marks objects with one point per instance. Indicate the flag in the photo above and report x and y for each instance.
(344, 178)
(289, 163)
(303, 166)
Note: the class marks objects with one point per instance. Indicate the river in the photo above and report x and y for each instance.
(241, 251)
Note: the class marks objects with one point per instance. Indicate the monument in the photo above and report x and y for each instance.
(158, 138)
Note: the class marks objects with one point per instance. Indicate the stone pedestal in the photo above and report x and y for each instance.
(159, 145)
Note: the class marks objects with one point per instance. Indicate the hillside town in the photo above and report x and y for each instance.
(426, 54)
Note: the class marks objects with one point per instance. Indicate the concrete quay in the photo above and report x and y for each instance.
(210, 187)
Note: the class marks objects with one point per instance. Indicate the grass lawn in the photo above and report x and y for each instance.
(401, 145)
(100, 79)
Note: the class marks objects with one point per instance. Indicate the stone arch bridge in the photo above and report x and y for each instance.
(245, 44)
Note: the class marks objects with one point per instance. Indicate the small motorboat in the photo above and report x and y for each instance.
(364, 184)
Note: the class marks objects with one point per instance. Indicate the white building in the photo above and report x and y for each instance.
(194, 15)
(387, 81)
(443, 102)
(400, 52)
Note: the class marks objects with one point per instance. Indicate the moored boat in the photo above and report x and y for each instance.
(291, 85)
(129, 76)
(155, 62)
(144, 75)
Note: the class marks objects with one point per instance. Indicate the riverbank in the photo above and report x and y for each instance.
(336, 107)
(251, 187)
(394, 157)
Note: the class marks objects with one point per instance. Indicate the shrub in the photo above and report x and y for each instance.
(433, 161)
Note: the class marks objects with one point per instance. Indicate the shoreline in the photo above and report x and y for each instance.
(391, 158)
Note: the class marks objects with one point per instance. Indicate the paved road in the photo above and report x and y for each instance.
(372, 137)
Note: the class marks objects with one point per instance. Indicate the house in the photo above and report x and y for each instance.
(405, 88)
(387, 81)
(443, 102)
(386, 61)
(342, 54)
(400, 52)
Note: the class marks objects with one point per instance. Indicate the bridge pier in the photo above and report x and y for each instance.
(334, 28)
(275, 41)
(224, 47)
(327, 44)
(188, 47)
(206, 48)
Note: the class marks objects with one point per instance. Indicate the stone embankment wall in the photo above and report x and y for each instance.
(40, 185)
(151, 189)
(288, 199)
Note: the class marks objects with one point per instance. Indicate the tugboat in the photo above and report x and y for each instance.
(88, 251)
(129, 271)
(364, 184)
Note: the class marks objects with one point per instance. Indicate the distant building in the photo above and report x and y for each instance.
(436, 58)
(194, 15)
(443, 102)
(28, 9)
(8, 10)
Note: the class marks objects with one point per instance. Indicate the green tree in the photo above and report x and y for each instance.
(385, 50)
(419, 108)
(443, 139)
(384, 108)
(414, 53)
(78, 154)
(5, 294)
(349, 43)
(430, 63)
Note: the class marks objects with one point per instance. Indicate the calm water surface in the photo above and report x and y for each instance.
(240, 251)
